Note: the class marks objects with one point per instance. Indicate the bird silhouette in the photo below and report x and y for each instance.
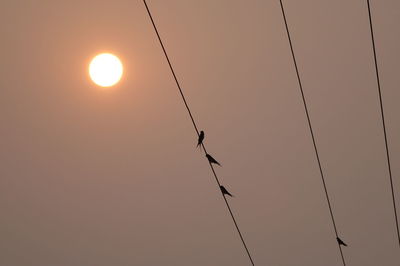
(224, 191)
(340, 242)
(212, 160)
(201, 138)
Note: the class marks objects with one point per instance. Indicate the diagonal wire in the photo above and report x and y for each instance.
(311, 131)
(383, 121)
(197, 131)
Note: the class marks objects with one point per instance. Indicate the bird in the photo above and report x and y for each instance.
(224, 191)
(211, 159)
(201, 138)
(340, 242)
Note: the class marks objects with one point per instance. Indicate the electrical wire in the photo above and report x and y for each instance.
(311, 131)
(197, 130)
(383, 121)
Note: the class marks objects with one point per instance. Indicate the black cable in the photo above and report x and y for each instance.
(383, 121)
(197, 131)
(311, 131)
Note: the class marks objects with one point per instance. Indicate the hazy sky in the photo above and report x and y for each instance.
(93, 177)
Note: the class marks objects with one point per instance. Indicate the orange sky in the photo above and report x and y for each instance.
(112, 177)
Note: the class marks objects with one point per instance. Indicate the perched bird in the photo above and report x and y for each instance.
(201, 138)
(212, 160)
(224, 191)
(340, 242)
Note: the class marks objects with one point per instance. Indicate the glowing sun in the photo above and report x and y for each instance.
(105, 70)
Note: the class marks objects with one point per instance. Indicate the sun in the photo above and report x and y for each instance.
(105, 69)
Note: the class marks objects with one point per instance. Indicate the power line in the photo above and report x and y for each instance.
(311, 131)
(383, 121)
(197, 131)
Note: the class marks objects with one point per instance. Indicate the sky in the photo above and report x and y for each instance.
(112, 177)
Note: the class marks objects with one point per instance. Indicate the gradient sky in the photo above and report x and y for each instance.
(112, 177)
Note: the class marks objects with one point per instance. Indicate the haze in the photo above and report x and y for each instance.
(113, 177)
